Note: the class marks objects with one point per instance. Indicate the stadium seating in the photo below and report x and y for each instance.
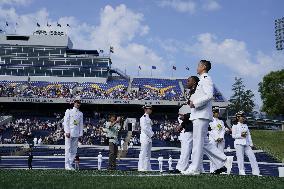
(148, 89)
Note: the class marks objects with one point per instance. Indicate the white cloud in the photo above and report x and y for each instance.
(26, 22)
(211, 5)
(15, 2)
(179, 5)
(133, 55)
(118, 27)
(234, 55)
(190, 6)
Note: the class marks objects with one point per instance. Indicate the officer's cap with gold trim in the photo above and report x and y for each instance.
(215, 110)
(77, 99)
(240, 114)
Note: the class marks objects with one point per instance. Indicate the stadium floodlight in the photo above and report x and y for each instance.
(279, 33)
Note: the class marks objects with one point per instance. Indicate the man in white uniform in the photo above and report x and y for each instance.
(160, 160)
(100, 159)
(170, 162)
(185, 138)
(35, 141)
(217, 133)
(186, 128)
(243, 144)
(73, 128)
(145, 140)
(201, 115)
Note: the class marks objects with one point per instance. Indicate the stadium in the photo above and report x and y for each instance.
(40, 77)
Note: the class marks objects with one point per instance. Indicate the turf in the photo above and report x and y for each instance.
(128, 179)
(271, 142)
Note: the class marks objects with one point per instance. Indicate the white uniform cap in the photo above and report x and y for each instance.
(77, 98)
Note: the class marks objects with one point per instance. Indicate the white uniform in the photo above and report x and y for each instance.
(201, 115)
(39, 141)
(186, 141)
(131, 145)
(146, 143)
(35, 141)
(170, 162)
(160, 160)
(217, 132)
(100, 159)
(243, 145)
(185, 150)
(73, 124)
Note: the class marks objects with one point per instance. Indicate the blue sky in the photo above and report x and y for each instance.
(237, 35)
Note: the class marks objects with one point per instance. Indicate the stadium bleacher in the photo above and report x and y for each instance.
(148, 89)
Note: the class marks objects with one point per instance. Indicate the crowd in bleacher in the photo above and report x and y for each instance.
(22, 130)
(35, 89)
(36, 131)
(142, 90)
(168, 131)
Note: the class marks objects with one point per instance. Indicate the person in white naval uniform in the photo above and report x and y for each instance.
(100, 160)
(160, 160)
(201, 115)
(73, 129)
(170, 162)
(186, 128)
(217, 133)
(145, 140)
(243, 144)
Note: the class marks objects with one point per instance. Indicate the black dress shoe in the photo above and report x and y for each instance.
(175, 171)
(219, 171)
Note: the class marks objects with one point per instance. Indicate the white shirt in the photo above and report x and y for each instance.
(170, 161)
(237, 132)
(217, 129)
(39, 141)
(73, 122)
(146, 128)
(160, 159)
(202, 99)
(100, 157)
(112, 132)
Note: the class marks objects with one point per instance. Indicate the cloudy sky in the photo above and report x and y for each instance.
(237, 35)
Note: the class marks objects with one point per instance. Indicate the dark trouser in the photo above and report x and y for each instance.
(30, 165)
(113, 149)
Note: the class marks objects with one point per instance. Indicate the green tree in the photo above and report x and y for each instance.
(272, 93)
(241, 99)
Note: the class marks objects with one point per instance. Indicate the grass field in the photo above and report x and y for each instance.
(53, 179)
(269, 141)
